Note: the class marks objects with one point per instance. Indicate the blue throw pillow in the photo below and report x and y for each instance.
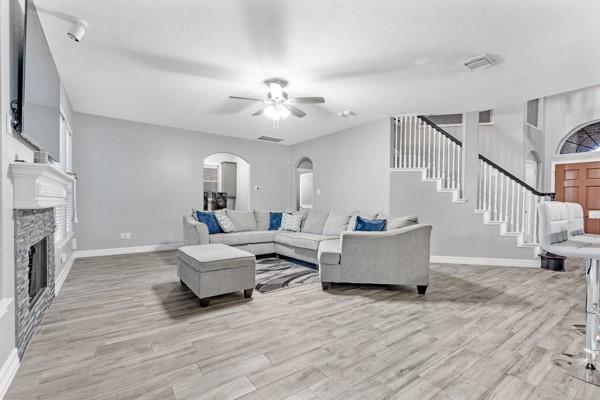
(369, 225)
(210, 220)
(275, 221)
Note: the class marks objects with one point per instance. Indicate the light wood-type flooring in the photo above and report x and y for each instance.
(122, 327)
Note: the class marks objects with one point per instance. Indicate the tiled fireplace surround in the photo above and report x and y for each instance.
(31, 226)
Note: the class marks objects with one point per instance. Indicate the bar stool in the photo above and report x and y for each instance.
(554, 234)
(576, 226)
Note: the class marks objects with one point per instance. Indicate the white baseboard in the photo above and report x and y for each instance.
(60, 279)
(499, 262)
(8, 371)
(126, 250)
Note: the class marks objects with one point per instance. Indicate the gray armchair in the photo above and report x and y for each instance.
(396, 257)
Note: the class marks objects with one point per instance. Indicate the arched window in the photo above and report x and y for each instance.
(584, 139)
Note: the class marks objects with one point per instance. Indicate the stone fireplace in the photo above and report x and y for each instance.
(34, 270)
(37, 189)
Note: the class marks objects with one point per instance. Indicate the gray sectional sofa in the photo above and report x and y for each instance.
(397, 256)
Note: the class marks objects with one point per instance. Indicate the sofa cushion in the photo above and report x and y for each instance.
(275, 218)
(314, 222)
(262, 220)
(243, 220)
(352, 222)
(225, 223)
(301, 239)
(209, 219)
(210, 257)
(335, 223)
(330, 252)
(401, 222)
(291, 222)
(239, 238)
(369, 225)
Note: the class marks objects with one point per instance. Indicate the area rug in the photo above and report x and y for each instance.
(275, 274)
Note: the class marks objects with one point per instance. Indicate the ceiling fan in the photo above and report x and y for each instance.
(277, 104)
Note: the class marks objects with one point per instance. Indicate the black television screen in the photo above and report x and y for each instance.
(40, 88)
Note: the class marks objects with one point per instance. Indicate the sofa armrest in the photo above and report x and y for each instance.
(194, 232)
(399, 256)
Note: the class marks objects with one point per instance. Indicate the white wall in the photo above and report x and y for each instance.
(350, 167)
(242, 200)
(11, 14)
(143, 178)
(13, 148)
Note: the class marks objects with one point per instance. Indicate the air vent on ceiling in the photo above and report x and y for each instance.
(479, 62)
(270, 139)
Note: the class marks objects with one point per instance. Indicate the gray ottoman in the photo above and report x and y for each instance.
(214, 269)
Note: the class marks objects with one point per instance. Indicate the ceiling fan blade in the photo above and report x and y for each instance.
(259, 112)
(308, 100)
(245, 98)
(295, 110)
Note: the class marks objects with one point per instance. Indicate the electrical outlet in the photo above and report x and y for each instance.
(122, 235)
(318, 191)
(128, 235)
(74, 244)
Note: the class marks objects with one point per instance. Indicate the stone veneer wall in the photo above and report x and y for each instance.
(31, 226)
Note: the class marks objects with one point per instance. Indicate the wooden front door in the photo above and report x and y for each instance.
(580, 183)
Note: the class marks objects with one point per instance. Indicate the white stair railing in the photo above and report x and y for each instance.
(418, 143)
(508, 200)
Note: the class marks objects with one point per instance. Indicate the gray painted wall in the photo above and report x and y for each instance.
(504, 141)
(457, 229)
(350, 168)
(142, 178)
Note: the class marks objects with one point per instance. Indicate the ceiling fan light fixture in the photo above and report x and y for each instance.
(276, 91)
(277, 112)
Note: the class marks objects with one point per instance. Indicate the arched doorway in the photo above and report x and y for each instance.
(226, 182)
(532, 169)
(304, 184)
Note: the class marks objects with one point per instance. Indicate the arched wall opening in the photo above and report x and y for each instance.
(533, 169)
(226, 182)
(304, 184)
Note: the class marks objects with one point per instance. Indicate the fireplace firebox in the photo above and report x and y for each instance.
(37, 270)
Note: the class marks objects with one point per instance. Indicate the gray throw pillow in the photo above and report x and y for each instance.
(262, 220)
(401, 222)
(335, 224)
(352, 222)
(243, 220)
(314, 222)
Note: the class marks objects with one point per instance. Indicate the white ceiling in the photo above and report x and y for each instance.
(174, 62)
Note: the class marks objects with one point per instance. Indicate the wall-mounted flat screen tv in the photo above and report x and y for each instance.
(39, 88)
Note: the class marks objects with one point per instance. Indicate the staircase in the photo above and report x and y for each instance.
(504, 200)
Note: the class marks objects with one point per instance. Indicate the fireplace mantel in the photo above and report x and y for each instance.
(38, 186)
